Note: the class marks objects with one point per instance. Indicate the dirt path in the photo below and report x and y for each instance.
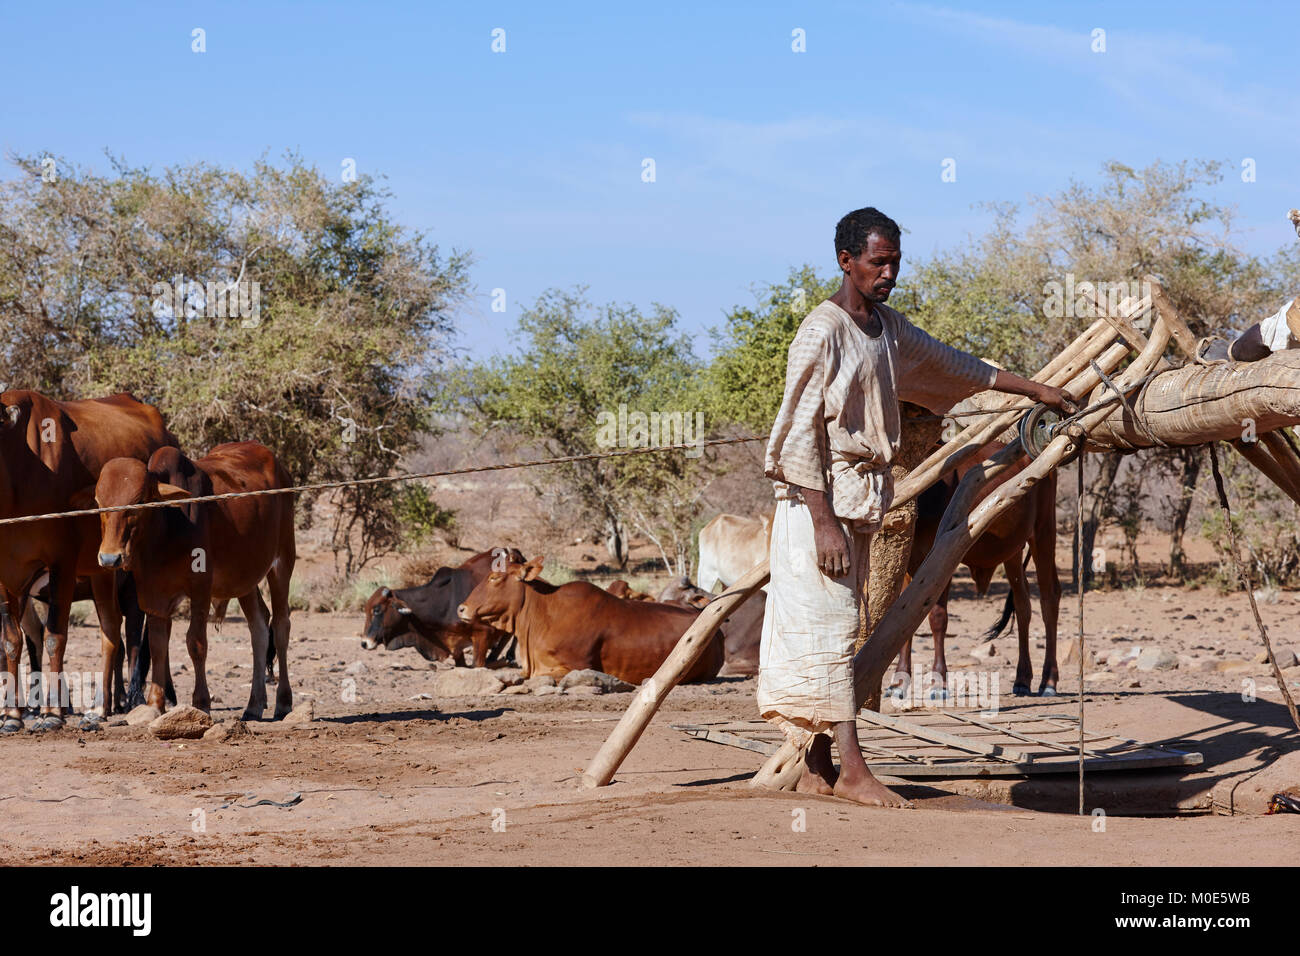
(395, 778)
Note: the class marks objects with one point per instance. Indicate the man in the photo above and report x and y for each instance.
(828, 456)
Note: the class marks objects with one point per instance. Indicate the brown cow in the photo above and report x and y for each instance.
(743, 627)
(51, 453)
(1032, 521)
(206, 552)
(578, 626)
(425, 618)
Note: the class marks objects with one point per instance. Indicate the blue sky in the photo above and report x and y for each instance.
(532, 158)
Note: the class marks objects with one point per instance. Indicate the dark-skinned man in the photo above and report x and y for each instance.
(828, 456)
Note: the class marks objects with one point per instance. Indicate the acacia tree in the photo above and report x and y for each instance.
(272, 305)
(576, 366)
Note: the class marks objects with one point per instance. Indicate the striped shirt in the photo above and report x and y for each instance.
(838, 426)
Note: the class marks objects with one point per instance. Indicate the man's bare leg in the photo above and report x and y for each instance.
(819, 772)
(856, 782)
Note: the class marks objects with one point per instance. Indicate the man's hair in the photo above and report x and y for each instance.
(852, 231)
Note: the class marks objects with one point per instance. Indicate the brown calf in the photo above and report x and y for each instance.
(206, 552)
(578, 626)
(51, 453)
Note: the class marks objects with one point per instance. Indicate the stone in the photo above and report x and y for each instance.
(608, 683)
(540, 680)
(181, 723)
(583, 690)
(1233, 665)
(1286, 657)
(217, 732)
(143, 714)
(237, 728)
(517, 689)
(1132, 682)
(304, 713)
(356, 667)
(1157, 659)
(510, 676)
(546, 690)
(466, 682)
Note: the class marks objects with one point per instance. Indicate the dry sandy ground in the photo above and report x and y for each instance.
(388, 779)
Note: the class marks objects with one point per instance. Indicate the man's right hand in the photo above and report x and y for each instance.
(828, 535)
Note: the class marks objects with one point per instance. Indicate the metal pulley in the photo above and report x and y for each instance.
(1037, 429)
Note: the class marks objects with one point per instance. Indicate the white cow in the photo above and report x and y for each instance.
(730, 546)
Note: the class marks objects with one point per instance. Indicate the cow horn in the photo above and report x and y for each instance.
(13, 413)
(385, 592)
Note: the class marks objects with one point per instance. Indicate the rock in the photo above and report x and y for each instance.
(1157, 659)
(541, 680)
(304, 713)
(1261, 657)
(517, 689)
(356, 667)
(583, 690)
(466, 682)
(545, 690)
(1286, 657)
(237, 728)
(181, 723)
(217, 732)
(608, 683)
(143, 714)
(1132, 682)
(510, 676)
(1233, 665)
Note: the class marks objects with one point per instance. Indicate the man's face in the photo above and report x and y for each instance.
(875, 270)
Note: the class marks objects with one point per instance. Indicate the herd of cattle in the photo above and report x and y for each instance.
(140, 565)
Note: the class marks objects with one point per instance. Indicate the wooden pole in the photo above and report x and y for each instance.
(653, 691)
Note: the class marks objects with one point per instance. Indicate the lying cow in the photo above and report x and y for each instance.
(578, 626)
(205, 552)
(621, 589)
(425, 617)
(743, 627)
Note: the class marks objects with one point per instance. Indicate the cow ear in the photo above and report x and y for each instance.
(169, 492)
(534, 568)
(85, 498)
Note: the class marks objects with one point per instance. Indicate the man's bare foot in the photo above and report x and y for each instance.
(819, 773)
(869, 791)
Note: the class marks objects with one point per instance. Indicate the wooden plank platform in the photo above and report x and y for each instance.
(967, 742)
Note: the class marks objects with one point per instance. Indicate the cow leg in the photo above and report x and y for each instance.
(901, 685)
(258, 629)
(278, 585)
(13, 650)
(196, 642)
(104, 590)
(1043, 548)
(1020, 598)
(939, 633)
(159, 630)
(63, 583)
(33, 632)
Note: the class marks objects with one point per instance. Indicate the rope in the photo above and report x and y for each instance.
(1082, 572)
(381, 479)
(1245, 582)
